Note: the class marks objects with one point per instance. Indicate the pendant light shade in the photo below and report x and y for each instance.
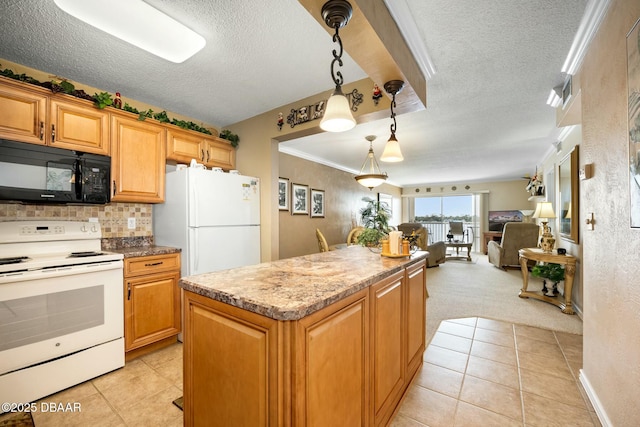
(370, 175)
(392, 152)
(337, 115)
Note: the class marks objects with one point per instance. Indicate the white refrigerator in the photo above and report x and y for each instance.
(214, 217)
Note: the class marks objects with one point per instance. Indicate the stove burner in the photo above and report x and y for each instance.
(84, 254)
(13, 260)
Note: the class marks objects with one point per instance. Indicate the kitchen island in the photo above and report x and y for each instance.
(326, 339)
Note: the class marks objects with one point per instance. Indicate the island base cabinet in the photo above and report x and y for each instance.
(230, 365)
(347, 364)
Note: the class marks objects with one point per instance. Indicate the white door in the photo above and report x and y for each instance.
(221, 248)
(220, 199)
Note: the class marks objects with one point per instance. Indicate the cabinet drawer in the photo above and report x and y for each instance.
(151, 264)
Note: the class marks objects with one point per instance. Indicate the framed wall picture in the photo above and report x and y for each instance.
(283, 194)
(317, 203)
(299, 199)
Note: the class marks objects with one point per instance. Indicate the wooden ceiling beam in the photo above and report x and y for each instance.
(375, 43)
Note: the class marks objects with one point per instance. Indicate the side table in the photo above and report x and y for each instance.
(457, 246)
(536, 254)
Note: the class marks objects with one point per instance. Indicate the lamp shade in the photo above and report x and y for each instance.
(337, 116)
(392, 151)
(544, 210)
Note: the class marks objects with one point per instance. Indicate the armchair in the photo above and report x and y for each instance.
(437, 251)
(515, 236)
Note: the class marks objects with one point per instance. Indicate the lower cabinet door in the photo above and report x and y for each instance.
(151, 309)
(231, 366)
(387, 340)
(333, 353)
(416, 315)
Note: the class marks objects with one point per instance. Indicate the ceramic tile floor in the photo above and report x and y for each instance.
(476, 372)
(480, 372)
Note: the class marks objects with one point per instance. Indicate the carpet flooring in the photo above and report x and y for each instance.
(459, 289)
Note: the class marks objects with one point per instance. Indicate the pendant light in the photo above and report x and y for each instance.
(337, 116)
(392, 151)
(370, 175)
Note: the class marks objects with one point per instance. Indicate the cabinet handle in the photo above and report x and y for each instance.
(53, 133)
(114, 187)
(128, 291)
(207, 156)
(41, 131)
(153, 264)
(202, 155)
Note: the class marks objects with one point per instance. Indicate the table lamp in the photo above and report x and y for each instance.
(544, 211)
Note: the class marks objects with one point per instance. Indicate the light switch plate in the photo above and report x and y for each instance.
(131, 223)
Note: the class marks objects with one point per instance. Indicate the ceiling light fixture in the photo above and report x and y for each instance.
(140, 24)
(392, 151)
(337, 116)
(370, 175)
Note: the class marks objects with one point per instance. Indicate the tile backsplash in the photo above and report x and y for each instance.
(113, 218)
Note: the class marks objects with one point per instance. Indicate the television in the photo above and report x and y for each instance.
(497, 219)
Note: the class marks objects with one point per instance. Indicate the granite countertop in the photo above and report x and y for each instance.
(292, 288)
(137, 246)
(146, 250)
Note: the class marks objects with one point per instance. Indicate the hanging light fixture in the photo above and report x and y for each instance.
(392, 151)
(370, 175)
(337, 116)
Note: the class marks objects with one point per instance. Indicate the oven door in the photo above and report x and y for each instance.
(50, 313)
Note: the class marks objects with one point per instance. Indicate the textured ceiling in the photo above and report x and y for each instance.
(486, 119)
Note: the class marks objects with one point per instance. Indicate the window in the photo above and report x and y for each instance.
(436, 212)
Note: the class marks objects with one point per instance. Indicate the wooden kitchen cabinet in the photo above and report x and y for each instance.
(22, 112)
(35, 115)
(182, 146)
(138, 156)
(151, 301)
(78, 125)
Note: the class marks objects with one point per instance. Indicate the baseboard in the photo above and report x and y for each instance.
(595, 402)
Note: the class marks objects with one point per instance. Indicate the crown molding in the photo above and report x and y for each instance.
(401, 13)
(593, 16)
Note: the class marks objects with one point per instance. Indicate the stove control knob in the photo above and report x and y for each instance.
(94, 229)
(83, 228)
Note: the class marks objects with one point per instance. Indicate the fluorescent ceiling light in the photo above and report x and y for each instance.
(138, 23)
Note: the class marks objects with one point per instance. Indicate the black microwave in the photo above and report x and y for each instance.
(41, 174)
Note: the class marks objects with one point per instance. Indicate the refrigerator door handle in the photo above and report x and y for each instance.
(196, 252)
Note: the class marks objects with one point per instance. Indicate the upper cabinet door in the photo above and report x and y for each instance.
(79, 126)
(138, 156)
(183, 146)
(220, 153)
(22, 113)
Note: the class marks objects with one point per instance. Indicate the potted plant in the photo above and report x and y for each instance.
(374, 217)
(552, 272)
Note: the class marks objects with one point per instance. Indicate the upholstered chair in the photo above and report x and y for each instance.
(515, 236)
(437, 250)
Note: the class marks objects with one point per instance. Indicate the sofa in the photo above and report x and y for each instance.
(515, 236)
(437, 251)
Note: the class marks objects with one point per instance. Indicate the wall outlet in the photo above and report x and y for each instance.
(131, 223)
